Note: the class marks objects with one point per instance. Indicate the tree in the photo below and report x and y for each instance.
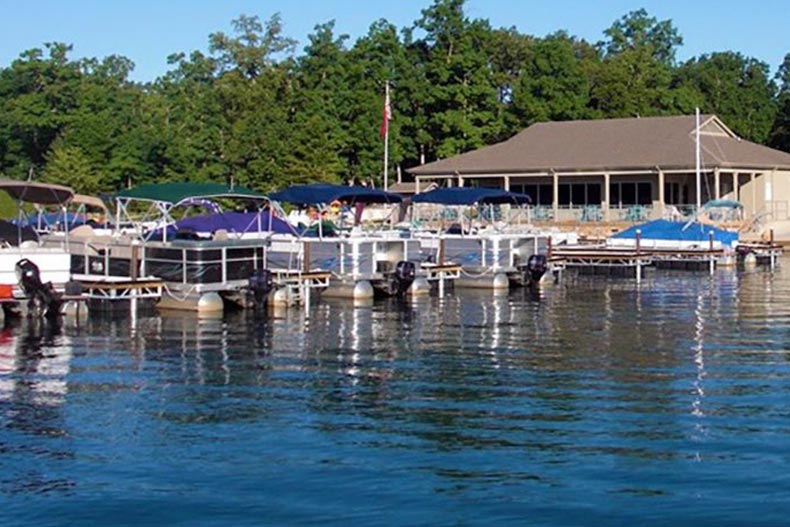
(639, 30)
(459, 84)
(780, 132)
(552, 86)
(68, 165)
(254, 47)
(736, 88)
(635, 77)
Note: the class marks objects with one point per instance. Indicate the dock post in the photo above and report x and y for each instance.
(306, 297)
(712, 257)
(440, 262)
(772, 251)
(638, 256)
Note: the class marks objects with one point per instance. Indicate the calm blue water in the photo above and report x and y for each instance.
(595, 403)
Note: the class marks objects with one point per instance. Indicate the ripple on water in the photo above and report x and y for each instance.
(594, 402)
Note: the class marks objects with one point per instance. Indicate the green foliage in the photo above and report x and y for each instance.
(254, 111)
(780, 131)
(68, 165)
(736, 88)
(638, 30)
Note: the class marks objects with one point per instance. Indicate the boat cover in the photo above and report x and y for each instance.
(471, 196)
(235, 222)
(15, 234)
(679, 231)
(325, 193)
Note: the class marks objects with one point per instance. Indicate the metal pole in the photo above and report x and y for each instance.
(386, 132)
(638, 258)
(697, 161)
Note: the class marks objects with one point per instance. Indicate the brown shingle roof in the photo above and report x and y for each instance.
(612, 144)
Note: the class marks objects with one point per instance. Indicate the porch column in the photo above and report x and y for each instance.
(754, 193)
(716, 183)
(460, 181)
(555, 199)
(606, 205)
(661, 196)
(736, 185)
(417, 184)
(507, 183)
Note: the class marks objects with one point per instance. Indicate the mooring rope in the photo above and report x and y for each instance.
(176, 297)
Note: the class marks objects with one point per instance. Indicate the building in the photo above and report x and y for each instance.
(625, 169)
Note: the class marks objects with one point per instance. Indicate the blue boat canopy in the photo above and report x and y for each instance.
(325, 193)
(471, 196)
(678, 231)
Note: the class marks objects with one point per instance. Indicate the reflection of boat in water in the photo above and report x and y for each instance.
(28, 375)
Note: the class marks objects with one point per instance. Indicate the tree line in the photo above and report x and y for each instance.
(255, 111)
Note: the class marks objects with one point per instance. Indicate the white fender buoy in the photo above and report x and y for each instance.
(501, 281)
(420, 287)
(363, 290)
(210, 302)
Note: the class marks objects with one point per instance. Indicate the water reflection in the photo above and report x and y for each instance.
(580, 394)
(34, 365)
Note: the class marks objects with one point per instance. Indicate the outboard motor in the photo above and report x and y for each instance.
(537, 265)
(404, 276)
(40, 294)
(261, 283)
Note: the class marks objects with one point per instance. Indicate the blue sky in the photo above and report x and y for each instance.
(147, 31)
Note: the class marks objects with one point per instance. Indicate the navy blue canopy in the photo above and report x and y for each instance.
(319, 193)
(678, 231)
(232, 222)
(470, 196)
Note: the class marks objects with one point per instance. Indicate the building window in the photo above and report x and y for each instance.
(580, 194)
(672, 194)
(630, 194)
(565, 195)
(540, 194)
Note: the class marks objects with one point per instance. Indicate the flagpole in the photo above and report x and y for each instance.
(386, 132)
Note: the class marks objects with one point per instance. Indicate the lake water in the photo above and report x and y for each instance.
(593, 403)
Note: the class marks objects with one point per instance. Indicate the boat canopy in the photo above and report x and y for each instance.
(471, 196)
(90, 201)
(175, 193)
(678, 231)
(723, 203)
(36, 192)
(325, 193)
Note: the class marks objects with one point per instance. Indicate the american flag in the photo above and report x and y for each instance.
(385, 120)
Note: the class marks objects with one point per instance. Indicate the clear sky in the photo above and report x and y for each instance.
(147, 31)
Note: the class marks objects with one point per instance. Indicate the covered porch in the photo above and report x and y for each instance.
(631, 196)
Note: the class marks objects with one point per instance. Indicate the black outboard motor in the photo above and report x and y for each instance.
(537, 265)
(261, 283)
(39, 294)
(404, 276)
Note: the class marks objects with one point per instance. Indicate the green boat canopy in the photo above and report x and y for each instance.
(175, 193)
